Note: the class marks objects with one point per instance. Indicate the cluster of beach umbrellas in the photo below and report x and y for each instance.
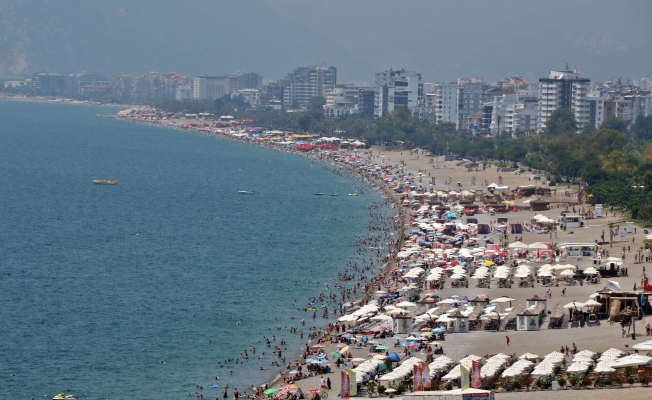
(402, 370)
(366, 366)
(517, 368)
(440, 364)
(548, 364)
(456, 371)
(493, 365)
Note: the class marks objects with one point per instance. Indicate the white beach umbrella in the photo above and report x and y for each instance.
(592, 303)
(529, 356)
(632, 360)
(502, 300)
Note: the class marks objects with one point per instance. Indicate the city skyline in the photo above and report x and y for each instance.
(441, 40)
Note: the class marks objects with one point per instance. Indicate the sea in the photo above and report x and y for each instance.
(145, 289)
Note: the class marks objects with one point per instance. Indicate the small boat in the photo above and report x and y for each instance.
(105, 181)
(319, 194)
(247, 192)
(62, 396)
(334, 194)
(353, 194)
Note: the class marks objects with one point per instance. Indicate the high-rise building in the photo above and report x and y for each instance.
(338, 105)
(304, 83)
(443, 98)
(596, 108)
(211, 87)
(48, 83)
(563, 89)
(472, 94)
(366, 102)
(395, 89)
(244, 80)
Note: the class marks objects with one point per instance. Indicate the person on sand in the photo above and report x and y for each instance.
(507, 337)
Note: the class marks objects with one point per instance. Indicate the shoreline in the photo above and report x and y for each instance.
(387, 197)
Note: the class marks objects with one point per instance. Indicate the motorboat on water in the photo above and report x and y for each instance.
(334, 194)
(247, 192)
(105, 181)
(353, 194)
(319, 194)
(62, 396)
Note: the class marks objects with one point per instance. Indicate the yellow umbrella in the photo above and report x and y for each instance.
(344, 349)
(380, 357)
(488, 263)
(426, 334)
(413, 287)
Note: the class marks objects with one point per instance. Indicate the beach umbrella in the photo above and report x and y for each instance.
(631, 360)
(567, 272)
(390, 390)
(592, 303)
(575, 304)
(517, 245)
(503, 300)
(529, 356)
(344, 349)
(394, 357)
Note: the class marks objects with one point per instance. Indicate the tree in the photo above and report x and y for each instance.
(619, 165)
(588, 130)
(615, 123)
(315, 107)
(607, 140)
(561, 121)
(304, 122)
(642, 128)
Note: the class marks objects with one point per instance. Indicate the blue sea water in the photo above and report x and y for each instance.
(100, 284)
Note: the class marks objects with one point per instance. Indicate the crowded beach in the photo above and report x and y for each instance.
(495, 280)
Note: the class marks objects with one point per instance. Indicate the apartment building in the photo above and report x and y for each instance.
(564, 89)
(396, 88)
(210, 87)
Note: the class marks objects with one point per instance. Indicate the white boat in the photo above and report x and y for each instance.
(247, 192)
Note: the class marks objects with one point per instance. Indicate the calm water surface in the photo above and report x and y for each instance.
(100, 284)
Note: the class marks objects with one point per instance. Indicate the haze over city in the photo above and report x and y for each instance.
(443, 40)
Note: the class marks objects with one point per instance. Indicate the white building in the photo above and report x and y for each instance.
(338, 105)
(252, 96)
(443, 97)
(184, 92)
(393, 89)
(210, 87)
(502, 107)
(522, 117)
(596, 108)
(631, 106)
(563, 89)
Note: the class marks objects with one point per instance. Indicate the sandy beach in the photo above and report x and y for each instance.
(482, 343)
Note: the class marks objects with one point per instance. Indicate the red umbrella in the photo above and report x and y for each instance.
(313, 391)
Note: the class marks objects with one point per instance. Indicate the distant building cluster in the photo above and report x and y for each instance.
(472, 104)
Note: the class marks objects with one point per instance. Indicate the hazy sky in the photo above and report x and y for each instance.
(443, 40)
